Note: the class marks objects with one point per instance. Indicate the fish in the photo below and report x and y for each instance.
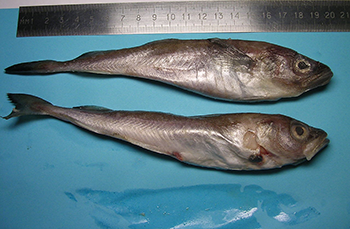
(240, 141)
(199, 206)
(226, 69)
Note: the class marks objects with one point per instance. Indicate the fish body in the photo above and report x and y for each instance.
(234, 70)
(247, 141)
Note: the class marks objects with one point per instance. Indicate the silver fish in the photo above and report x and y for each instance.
(249, 141)
(234, 70)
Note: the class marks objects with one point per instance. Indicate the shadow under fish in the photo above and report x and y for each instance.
(201, 206)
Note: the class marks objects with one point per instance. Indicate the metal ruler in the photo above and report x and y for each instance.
(184, 17)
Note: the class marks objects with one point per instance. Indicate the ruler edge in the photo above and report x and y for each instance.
(178, 2)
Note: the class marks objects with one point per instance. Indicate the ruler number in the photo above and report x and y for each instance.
(282, 14)
(219, 16)
(186, 16)
(315, 15)
(122, 17)
(267, 15)
(299, 15)
(235, 15)
(203, 16)
(329, 15)
(91, 20)
(154, 17)
(170, 17)
(344, 15)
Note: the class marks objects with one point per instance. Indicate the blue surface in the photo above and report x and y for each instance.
(54, 175)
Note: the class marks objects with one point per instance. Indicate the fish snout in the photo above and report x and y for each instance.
(322, 76)
(325, 74)
(319, 142)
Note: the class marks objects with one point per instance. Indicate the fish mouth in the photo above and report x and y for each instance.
(321, 78)
(316, 146)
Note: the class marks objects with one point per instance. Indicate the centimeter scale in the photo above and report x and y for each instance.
(184, 17)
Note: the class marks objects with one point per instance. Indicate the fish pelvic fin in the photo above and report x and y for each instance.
(36, 67)
(26, 105)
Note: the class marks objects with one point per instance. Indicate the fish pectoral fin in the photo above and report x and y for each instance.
(93, 108)
(234, 55)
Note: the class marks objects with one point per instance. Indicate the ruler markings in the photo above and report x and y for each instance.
(184, 17)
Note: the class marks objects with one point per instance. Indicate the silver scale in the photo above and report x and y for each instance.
(184, 17)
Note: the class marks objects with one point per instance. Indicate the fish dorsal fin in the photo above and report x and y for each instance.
(89, 54)
(235, 55)
(93, 108)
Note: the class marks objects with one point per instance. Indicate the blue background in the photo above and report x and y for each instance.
(49, 170)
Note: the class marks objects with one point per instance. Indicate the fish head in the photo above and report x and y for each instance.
(282, 72)
(293, 72)
(284, 140)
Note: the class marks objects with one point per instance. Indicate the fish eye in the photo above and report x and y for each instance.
(302, 65)
(299, 131)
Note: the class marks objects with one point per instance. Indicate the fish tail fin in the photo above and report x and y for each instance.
(27, 105)
(37, 67)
